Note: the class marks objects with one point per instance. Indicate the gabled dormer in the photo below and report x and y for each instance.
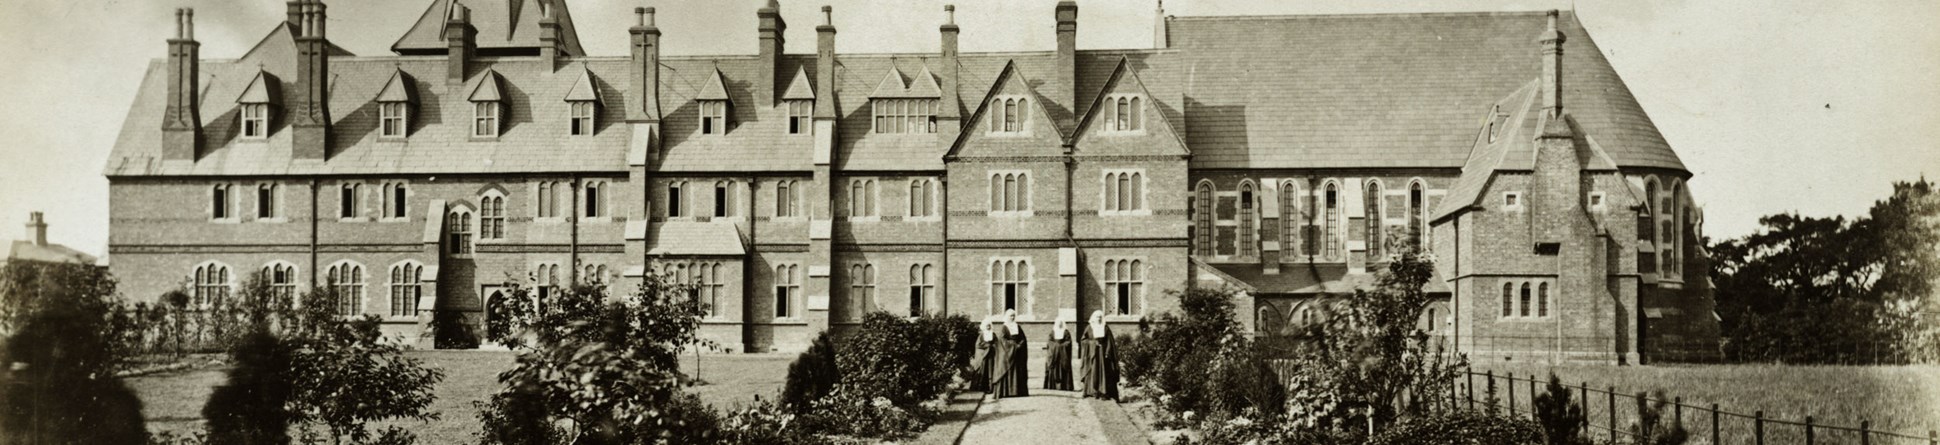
(799, 99)
(1125, 110)
(715, 105)
(395, 104)
(903, 108)
(1013, 113)
(257, 105)
(583, 103)
(488, 105)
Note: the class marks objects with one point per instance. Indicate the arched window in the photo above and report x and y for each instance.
(1508, 299)
(1010, 284)
(266, 201)
(1418, 216)
(1432, 321)
(491, 216)
(212, 285)
(922, 198)
(1542, 300)
(459, 233)
(1202, 212)
(282, 280)
(347, 280)
(395, 204)
(1269, 321)
(787, 286)
(1124, 114)
(785, 198)
(1332, 221)
(407, 285)
(1524, 311)
(545, 201)
(347, 200)
(1010, 191)
(1138, 115)
(546, 281)
(595, 197)
(1672, 237)
(1291, 221)
(862, 288)
(1375, 239)
(1249, 240)
(921, 287)
(723, 199)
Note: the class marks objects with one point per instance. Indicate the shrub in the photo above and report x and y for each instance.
(812, 375)
(59, 385)
(1650, 428)
(1135, 358)
(450, 331)
(1460, 429)
(252, 407)
(1361, 361)
(766, 423)
(849, 412)
(347, 376)
(903, 361)
(1562, 421)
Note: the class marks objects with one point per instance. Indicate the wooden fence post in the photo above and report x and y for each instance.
(1613, 412)
(1584, 402)
(1490, 375)
(1714, 425)
(1642, 427)
(1512, 394)
(1677, 409)
(1758, 427)
(1470, 376)
(1933, 438)
(1808, 431)
(1532, 397)
(1865, 432)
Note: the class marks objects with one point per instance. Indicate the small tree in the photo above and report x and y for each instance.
(1370, 356)
(347, 375)
(812, 375)
(253, 406)
(602, 369)
(57, 381)
(1562, 419)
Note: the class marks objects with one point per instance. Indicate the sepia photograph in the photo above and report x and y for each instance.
(969, 222)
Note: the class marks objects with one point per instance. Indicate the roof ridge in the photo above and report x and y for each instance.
(1360, 15)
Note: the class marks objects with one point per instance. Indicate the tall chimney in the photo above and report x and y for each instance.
(949, 114)
(825, 65)
(1065, 88)
(36, 229)
(294, 10)
(312, 121)
(182, 121)
(548, 36)
(458, 37)
(644, 68)
(1552, 41)
(1161, 37)
(772, 30)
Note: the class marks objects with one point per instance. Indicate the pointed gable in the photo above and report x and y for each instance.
(924, 86)
(401, 88)
(261, 90)
(1124, 81)
(583, 89)
(891, 85)
(716, 88)
(799, 88)
(485, 89)
(505, 25)
(1040, 134)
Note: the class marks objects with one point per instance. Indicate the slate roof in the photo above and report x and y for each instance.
(1328, 91)
(501, 24)
(1319, 278)
(1514, 148)
(26, 250)
(694, 238)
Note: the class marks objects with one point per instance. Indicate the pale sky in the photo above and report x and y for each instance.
(1774, 105)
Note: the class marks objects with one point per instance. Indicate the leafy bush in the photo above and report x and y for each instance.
(812, 375)
(906, 362)
(765, 423)
(1460, 429)
(346, 375)
(1561, 419)
(1135, 358)
(252, 407)
(58, 385)
(1650, 428)
(599, 369)
(849, 412)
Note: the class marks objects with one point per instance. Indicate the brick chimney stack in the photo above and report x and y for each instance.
(773, 30)
(644, 68)
(311, 139)
(949, 114)
(1066, 69)
(825, 65)
(36, 229)
(182, 121)
(459, 37)
(1161, 35)
(548, 36)
(1552, 41)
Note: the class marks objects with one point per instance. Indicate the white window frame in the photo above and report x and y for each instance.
(593, 199)
(1002, 275)
(1132, 109)
(1129, 274)
(922, 200)
(549, 196)
(869, 207)
(393, 120)
(717, 112)
(347, 278)
(210, 283)
(582, 119)
(545, 280)
(1108, 192)
(1541, 304)
(227, 201)
(902, 116)
(787, 280)
(801, 116)
(1513, 202)
(487, 116)
(406, 288)
(1598, 202)
(674, 200)
(922, 288)
(256, 114)
(392, 204)
(272, 210)
(788, 200)
(862, 288)
(723, 199)
(459, 226)
(491, 217)
(1009, 115)
(286, 287)
(1000, 202)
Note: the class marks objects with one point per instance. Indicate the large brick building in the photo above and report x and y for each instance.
(1284, 156)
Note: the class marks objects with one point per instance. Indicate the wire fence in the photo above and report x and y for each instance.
(1619, 417)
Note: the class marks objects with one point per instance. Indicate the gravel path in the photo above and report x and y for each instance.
(1049, 417)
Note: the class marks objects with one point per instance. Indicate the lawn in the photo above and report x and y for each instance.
(173, 401)
(1900, 399)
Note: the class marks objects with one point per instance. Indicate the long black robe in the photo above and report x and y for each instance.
(1057, 363)
(1010, 376)
(980, 365)
(1100, 366)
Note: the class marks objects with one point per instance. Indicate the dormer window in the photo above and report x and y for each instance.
(582, 119)
(1009, 115)
(1496, 119)
(800, 116)
(714, 117)
(485, 119)
(391, 116)
(1124, 113)
(904, 115)
(255, 120)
